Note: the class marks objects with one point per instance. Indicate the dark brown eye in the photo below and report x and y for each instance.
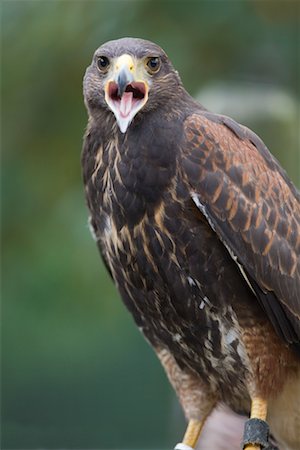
(153, 64)
(103, 63)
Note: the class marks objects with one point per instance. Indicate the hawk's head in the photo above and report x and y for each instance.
(126, 76)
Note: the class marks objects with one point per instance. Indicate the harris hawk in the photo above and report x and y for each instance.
(199, 227)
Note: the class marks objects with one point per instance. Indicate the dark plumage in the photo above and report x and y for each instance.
(199, 227)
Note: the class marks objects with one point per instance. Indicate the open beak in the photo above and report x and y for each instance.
(125, 93)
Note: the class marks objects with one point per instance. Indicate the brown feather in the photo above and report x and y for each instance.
(251, 205)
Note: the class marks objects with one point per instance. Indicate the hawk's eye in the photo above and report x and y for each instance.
(103, 63)
(153, 64)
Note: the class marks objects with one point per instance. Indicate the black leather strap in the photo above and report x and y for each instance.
(256, 432)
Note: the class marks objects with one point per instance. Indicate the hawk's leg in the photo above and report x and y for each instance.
(256, 432)
(191, 435)
(196, 399)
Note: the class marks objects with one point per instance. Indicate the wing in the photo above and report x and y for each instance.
(254, 209)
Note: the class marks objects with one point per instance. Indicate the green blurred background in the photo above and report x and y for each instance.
(75, 371)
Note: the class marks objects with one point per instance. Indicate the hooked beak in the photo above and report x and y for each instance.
(125, 94)
(124, 77)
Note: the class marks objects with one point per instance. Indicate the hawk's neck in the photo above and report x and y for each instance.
(132, 170)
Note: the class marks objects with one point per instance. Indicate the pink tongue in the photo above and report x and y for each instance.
(126, 103)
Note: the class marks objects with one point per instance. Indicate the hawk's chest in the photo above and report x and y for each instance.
(130, 178)
(161, 270)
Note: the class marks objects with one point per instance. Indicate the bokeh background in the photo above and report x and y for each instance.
(75, 371)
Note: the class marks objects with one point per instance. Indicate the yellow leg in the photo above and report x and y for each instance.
(192, 432)
(258, 411)
(191, 435)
